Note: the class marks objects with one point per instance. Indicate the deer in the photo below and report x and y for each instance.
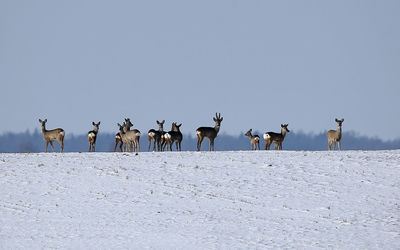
(172, 136)
(335, 135)
(254, 140)
(133, 136)
(155, 136)
(271, 137)
(209, 132)
(118, 140)
(51, 135)
(92, 136)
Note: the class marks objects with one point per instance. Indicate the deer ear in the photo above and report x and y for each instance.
(342, 119)
(93, 123)
(336, 120)
(163, 121)
(98, 123)
(179, 125)
(45, 120)
(215, 120)
(221, 119)
(40, 120)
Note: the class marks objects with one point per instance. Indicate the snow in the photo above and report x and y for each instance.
(201, 200)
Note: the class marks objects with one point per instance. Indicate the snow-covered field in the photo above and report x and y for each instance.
(206, 200)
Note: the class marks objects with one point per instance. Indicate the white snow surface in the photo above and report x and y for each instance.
(201, 200)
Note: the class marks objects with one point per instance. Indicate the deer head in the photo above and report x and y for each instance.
(43, 123)
(339, 122)
(128, 123)
(176, 127)
(96, 126)
(218, 119)
(248, 133)
(284, 127)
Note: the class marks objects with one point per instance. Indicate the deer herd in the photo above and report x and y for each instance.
(128, 139)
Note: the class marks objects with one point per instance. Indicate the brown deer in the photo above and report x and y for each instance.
(271, 137)
(209, 132)
(118, 140)
(51, 135)
(155, 136)
(172, 136)
(335, 135)
(92, 136)
(254, 140)
(132, 135)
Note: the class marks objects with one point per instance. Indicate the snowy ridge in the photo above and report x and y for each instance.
(201, 200)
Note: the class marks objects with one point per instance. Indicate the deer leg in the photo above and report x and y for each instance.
(211, 144)
(51, 144)
(138, 145)
(148, 149)
(334, 145)
(340, 148)
(62, 145)
(94, 147)
(199, 141)
(90, 147)
(47, 145)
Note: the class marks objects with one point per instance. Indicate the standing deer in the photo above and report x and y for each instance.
(92, 136)
(133, 136)
(118, 140)
(254, 140)
(51, 135)
(335, 135)
(209, 132)
(172, 136)
(271, 137)
(155, 136)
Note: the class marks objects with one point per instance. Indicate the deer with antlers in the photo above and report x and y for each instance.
(209, 132)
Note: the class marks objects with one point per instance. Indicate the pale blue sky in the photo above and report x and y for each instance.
(259, 63)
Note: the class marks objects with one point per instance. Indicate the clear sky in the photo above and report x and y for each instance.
(259, 63)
